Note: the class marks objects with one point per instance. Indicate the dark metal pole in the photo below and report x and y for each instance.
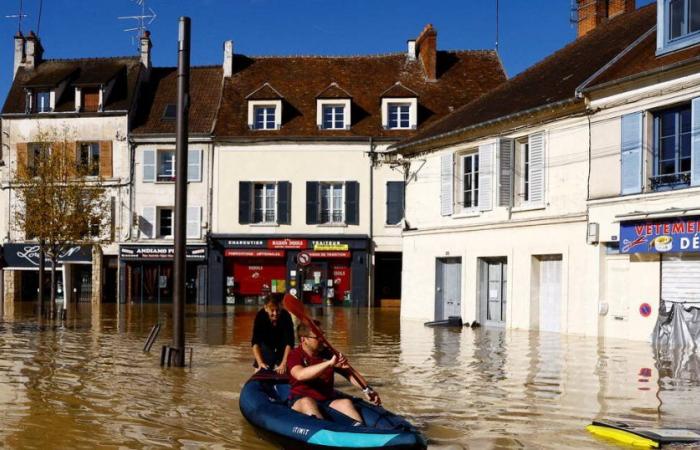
(42, 276)
(183, 91)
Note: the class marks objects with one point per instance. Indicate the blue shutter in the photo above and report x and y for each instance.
(446, 184)
(631, 153)
(695, 143)
(245, 195)
(149, 166)
(352, 203)
(312, 203)
(284, 203)
(394, 202)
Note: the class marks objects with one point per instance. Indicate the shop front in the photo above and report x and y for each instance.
(318, 270)
(146, 273)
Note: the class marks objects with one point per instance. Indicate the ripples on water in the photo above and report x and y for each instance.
(87, 383)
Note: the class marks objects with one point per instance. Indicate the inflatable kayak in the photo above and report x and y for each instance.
(643, 436)
(263, 402)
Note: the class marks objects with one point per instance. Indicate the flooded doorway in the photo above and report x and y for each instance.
(492, 291)
(448, 291)
(545, 295)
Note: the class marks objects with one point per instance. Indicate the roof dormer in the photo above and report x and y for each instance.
(333, 108)
(92, 88)
(399, 108)
(265, 108)
(43, 91)
(678, 25)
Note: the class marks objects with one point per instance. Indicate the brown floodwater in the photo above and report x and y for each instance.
(86, 382)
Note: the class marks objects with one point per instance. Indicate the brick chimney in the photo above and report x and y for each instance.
(19, 51)
(592, 13)
(228, 59)
(426, 44)
(145, 46)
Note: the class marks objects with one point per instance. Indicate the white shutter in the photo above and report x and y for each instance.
(486, 154)
(149, 166)
(446, 184)
(194, 222)
(680, 278)
(695, 143)
(147, 222)
(536, 147)
(194, 165)
(631, 153)
(505, 173)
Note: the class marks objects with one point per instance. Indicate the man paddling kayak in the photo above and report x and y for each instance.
(312, 378)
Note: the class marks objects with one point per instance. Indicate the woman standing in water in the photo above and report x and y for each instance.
(273, 336)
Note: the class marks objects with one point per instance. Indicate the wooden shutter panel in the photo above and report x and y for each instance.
(194, 165)
(71, 157)
(631, 153)
(446, 184)
(352, 203)
(312, 203)
(22, 156)
(284, 203)
(486, 177)
(91, 99)
(147, 222)
(394, 202)
(106, 159)
(695, 143)
(245, 196)
(537, 175)
(505, 172)
(194, 222)
(149, 166)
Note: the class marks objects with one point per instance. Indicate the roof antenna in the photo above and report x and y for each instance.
(496, 26)
(38, 20)
(143, 20)
(18, 16)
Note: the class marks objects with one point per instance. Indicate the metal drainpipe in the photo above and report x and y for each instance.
(370, 255)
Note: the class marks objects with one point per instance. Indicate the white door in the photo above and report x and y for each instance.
(448, 292)
(550, 293)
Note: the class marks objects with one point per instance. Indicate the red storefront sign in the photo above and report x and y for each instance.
(259, 276)
(287, 243)
(329, 254)
(340, 274)
(254, 253)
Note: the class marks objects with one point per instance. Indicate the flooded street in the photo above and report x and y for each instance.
(87, 383)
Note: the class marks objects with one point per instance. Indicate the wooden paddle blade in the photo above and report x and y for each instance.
(294, 306)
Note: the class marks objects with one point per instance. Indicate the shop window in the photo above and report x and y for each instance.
(165, 222)
(672, 142)
(166, 165)
(89, 158)
(470, 180)
(265, 203)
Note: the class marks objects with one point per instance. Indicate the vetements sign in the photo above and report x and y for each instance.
(676, 235)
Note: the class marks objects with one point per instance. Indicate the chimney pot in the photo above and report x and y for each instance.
(145, 46)
(228, 59)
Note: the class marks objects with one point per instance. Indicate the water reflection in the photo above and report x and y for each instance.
(86, 382)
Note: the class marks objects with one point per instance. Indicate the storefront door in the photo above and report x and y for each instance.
(314, 281)
(448, 289)
(492, 291)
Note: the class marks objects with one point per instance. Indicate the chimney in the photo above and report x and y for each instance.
(592, 13)
(145, 51)
(228, 59)
(427, 51)
(19, 51)
(33, 51)
(411, 50)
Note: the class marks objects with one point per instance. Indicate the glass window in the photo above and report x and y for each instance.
(332, 203)
(683, 17)
(89, 158)
(264, 118)
(166, 165)
(672, 136)
(265, 203)
(43, 101)
(471, 180)
(333, 117)
(165, 222)
(399, 115)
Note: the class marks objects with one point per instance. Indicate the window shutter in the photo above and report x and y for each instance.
(394, 202)
(284, 203)
(22, 152)
(536, 147)
(695, 143)
(352, 203)
(446, 184)
(149, 166)
(312, 203)
(245, 196)
(631, 153)
(486, 177)
(505, 173)
(147, 222)
(106, 170)
(194, 165)
(72, 155)
(194, 222)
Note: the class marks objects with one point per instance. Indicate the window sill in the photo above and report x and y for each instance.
(332, 225)
(528, 207)
(267, 224)
(165, 181)
(393, 225)
(466, 214)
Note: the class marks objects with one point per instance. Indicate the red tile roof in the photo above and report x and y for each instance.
(334, 91)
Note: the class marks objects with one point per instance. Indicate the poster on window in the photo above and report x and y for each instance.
(675, 235)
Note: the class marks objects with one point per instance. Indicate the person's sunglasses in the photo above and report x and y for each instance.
(312, 337)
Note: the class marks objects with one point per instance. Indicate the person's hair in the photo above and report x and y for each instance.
(303, 329)
(274, 299)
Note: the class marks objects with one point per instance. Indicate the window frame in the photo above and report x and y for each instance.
(92, 168)
(37, 96)
(682, 178)
(333, 187)
(522, 171)
(266, 119)
(160, 178)
(264, 210)
(412, 103)
(335, 109)
(399, 113)
(159, 219)
(665, 43)
(473, 177)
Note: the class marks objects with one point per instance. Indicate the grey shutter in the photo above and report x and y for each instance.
(536, 148)
(194, 222)
(695, 143)
(446, 184)
(245, 195)
(631, 153)
(194, 165)
(352, 203)
(486, 177)
(394, 202)
(147, 222)
(149, 166)
(505, 173)
(284, 203)
(312, 202)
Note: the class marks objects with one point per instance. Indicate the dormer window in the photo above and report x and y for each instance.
(333, 114)
(399, 114)
(679, 25)
(264, 117)
(90, 99)
(42, 103)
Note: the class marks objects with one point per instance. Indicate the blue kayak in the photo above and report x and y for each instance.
(263, 403)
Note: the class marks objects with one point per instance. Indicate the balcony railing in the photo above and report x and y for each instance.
(670, 181)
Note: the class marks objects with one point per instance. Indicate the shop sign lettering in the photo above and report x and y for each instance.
(329, 254)
(27, 255)
(245, 243)
(678, 234)
(160, 253)
(330, 246)
(254, 253)
(287, 243)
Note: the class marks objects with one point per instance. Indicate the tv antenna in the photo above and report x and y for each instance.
(144, 19)
(19, 16)
(496, 26)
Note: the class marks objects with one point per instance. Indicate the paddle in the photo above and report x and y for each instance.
(296, 307)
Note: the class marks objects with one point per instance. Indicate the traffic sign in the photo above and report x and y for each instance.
(303, 259)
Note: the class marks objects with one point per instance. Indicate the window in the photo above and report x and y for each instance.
(165, 222)
(332, 203)
(37, 153)
(394, 202)
(43, 101)
(89, 158)
(672, 133)
(470, 185)
(399, 116)
(264, 203)
(522, 172)
(91, 99)
(683, 18)
(166, 165)
(264, 118)
(169, 112)
(333, 117)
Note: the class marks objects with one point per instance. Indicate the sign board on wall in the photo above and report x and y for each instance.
(160, 252)
(27, 255)
(330, 246)
(678, 234)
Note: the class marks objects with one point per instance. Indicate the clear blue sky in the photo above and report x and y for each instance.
(529, 29)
